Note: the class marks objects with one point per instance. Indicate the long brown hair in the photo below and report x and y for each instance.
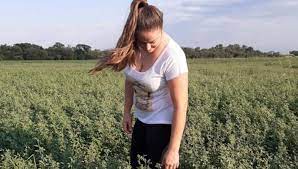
(142, 17)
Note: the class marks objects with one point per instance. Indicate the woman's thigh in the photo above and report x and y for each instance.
(157, 139)
(138, 146)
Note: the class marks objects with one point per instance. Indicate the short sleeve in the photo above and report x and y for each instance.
(175, 66)
(125, 70)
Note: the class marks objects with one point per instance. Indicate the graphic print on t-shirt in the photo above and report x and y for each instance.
(143, 97)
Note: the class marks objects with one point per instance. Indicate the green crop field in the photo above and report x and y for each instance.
(242, 114)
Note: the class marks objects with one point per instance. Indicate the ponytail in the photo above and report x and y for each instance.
(126, 49)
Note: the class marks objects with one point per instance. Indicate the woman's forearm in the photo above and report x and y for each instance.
(178, 125)
(128, 96)
(127, 107)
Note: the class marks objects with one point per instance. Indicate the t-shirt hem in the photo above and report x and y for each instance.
(174, 76)
(156, 122)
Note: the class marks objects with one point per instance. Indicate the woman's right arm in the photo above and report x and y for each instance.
(127, 117)
(128, 96)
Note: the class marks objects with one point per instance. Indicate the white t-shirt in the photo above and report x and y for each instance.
(152, 100)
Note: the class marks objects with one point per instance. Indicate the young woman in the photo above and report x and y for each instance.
(156, 83)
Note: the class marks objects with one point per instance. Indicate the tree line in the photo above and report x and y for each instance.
(28, 51)
(231, 51)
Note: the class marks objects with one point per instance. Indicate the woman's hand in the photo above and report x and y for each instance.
(170, 159)
(127, 123)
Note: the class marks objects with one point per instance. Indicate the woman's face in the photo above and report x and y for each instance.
(148, 41)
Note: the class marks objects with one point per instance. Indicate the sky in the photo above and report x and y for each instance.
(266, 25)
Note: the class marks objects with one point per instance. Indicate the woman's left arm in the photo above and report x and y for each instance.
(179, 93)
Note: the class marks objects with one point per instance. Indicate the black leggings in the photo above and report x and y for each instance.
(149, 141)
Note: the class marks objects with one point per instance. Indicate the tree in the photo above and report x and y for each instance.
(189, 52)
(31, 51)
(58, 45)
(59, 52)
(294, 52)
(197, 49)
(82, 51)
(219, 46)
(94, 54)
(17, 52)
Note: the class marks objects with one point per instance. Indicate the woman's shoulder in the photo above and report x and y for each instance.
(174, 50)
(174, 45)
